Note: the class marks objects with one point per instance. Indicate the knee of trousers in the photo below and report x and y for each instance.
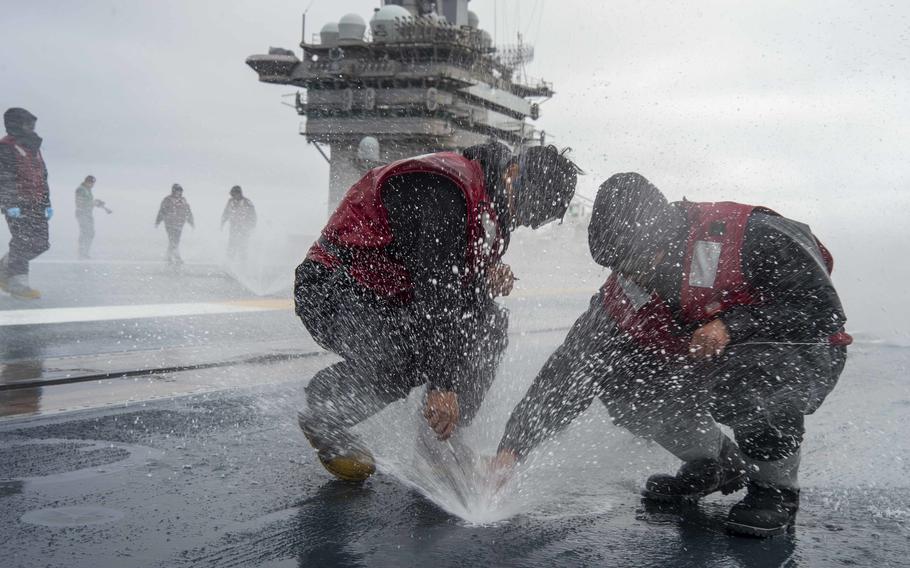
(324, 387)
(769, 441)
(341, 392)
(33, 247)
(674, 431)
(650, 412)
(501, 328)
(495, 328)
(639, 420)
(499, 319)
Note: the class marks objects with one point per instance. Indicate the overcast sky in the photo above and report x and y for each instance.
(802, 106)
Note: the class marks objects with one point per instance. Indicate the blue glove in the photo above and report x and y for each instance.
(13, 212)
(48, 212)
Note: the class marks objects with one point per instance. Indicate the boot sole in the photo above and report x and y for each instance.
(352, 467)
(759, 532)
(731, 486)
(23, 296)
(349, 469)
(31, 294)
(26, 296)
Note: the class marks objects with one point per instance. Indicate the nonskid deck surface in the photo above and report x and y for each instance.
(225, 479)
(197, 461)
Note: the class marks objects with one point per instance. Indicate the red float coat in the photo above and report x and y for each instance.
(31, 175)
(358, 234)
(712, 281)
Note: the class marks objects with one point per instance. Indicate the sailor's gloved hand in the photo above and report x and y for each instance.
(99, 203)
(441, 412)
(48, 212)
(709, 340)
(13, 212)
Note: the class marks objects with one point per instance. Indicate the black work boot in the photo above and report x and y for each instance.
(765, 511)
(697, 478)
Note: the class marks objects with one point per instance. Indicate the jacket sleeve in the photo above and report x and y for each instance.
(47, 188)
(566, 385)
(796, 298)
(189, 215)
(226, 214)
(84, 201)
(161, 208)
(9, 192)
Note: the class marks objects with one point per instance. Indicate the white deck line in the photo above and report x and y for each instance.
(108, 313)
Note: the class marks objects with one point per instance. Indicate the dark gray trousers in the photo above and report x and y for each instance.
(174, 232)
(383, 348)
(761, 390)
(86, 233)
(30, 238)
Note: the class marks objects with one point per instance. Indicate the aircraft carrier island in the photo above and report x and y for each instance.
(421, 77)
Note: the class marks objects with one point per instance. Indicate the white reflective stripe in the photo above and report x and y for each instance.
(20, 149)
(636, 294)
(705, 258)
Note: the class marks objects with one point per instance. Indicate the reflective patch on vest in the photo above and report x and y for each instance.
(705, 258)
(636, 294)
(489, 230)
(20, 150)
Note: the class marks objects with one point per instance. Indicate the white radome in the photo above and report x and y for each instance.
(383, 22)
(328, 35)
(351, 27)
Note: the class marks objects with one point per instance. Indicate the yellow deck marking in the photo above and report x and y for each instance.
(143, 311)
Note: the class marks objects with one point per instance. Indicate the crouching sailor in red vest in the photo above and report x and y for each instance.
(401, 284)
(714, 313)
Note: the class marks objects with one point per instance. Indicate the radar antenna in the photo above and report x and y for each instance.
(515, 55)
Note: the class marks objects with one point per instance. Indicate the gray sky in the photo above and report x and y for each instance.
(801, 106)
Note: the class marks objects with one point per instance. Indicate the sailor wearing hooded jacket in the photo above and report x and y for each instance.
(714, 313)
(24, 200)
(174, 212)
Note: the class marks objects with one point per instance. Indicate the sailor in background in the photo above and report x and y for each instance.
(24, 200)
(240, 216)
(85, 215)
(174, 212)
